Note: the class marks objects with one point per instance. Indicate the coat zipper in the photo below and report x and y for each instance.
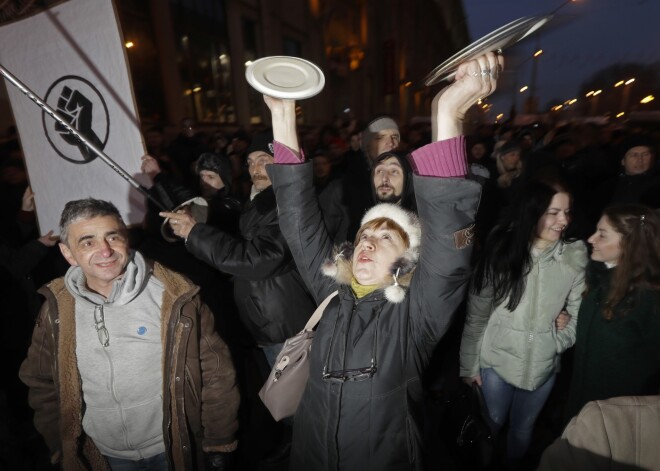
(530, 333)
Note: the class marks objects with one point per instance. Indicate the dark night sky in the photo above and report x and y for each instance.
(584, 37)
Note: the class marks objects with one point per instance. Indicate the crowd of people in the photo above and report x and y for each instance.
(522, 260)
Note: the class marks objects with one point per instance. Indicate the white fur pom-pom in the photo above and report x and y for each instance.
(329, 268)
(395, 293)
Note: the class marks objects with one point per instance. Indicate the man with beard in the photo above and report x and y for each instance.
(391, 182)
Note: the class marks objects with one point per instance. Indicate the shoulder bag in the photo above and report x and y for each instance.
(287, 380)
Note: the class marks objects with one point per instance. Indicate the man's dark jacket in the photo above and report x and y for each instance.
(269, 292)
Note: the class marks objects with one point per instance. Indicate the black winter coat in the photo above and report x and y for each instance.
(269, 292)
(373, 425)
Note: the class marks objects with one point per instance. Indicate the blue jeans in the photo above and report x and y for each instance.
(154, 463)
(522, 407)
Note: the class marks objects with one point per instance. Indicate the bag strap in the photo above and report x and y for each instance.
(316, 317)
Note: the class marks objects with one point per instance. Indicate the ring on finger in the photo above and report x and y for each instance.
(485, 72)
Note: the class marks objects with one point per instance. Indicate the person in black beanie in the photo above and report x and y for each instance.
(215, 185)
(638, 182)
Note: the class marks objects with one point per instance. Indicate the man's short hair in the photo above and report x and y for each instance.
(86, 208)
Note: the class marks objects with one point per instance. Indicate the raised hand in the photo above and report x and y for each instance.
(474, 80)
(150, 166)
(283, 117)
(27, 203)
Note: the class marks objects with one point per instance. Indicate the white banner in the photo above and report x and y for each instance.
(72, 57)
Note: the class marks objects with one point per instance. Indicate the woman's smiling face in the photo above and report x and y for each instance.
(605, 242)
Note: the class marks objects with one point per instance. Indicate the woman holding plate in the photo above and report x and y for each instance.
(398, 288)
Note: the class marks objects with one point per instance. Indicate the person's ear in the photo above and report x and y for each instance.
(66, 252)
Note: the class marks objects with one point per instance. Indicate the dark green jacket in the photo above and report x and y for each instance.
(617, 357)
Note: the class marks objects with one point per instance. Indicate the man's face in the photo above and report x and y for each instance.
(386, 140)
(99, 246)
(510, 160)
(356, 142)
(257, 162)
(322, 167)
(389, 180)
(637, 160)
(210, 183)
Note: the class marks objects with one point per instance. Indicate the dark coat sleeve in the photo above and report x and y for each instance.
(302, 224)
(20, 262)
(38, 375)
(259, 258)
(220, 396)
(447, 208)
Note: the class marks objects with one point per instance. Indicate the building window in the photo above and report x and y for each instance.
(204, 62)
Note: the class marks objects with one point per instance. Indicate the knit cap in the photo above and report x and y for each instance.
(374, 127)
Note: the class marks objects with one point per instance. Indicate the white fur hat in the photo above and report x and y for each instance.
(339, 267)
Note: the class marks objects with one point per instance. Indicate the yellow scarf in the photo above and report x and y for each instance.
(362, 290)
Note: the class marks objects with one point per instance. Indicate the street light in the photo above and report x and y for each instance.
(594, 102)
(523, 89)
(647, 99)
(625, 93)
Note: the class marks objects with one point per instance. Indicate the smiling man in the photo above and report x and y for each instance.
(125, 369)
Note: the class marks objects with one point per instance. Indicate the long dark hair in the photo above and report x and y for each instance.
(507, 258)
(638, 267)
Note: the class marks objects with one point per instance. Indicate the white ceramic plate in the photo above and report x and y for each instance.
(285, 77)
(499, 39)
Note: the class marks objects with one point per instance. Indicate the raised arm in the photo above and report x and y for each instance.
(447, 205)
(300, 217)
